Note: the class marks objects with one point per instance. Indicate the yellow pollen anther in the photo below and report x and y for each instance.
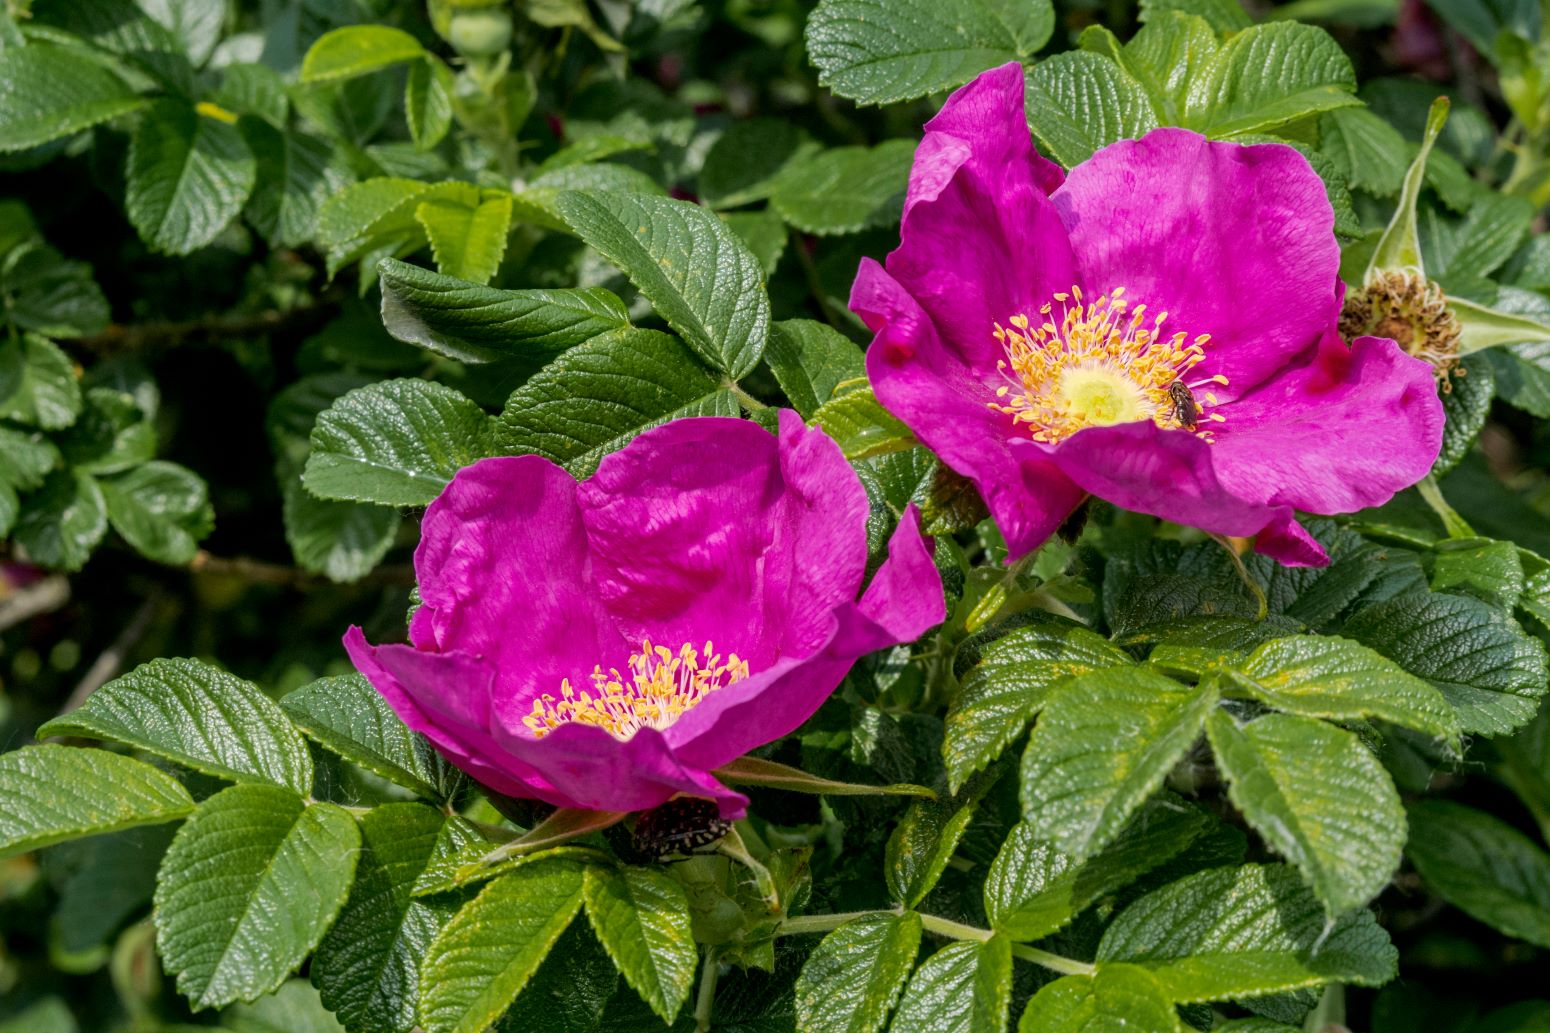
(1096, 364)
(655, 690)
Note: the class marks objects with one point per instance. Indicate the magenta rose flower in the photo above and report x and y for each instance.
(607, 645)
(1157, 329)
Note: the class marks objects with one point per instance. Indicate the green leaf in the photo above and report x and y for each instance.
(343, 541)
(49, 794)
(1484, 867)
(473, 323)
(428, 102)
(346, 715)
(395, 443)
(368, 965)
(38, 385)
(296, 174)
(467, 242)
(852, 978)
(62, 522)
(1319, 797)
(642, 918)
(1225, 16)
(811, 359)
(923, 843)
(47, 92)
(1335, 678)
(1371, 150)
(1492, 231)
(1482, 327)
(763, 232)
(861, 426)
(188, 176)
(1399, 248)
(49, 1015)
(965, 987)
(160, 508)
(198, 716)
(1267, 76)
(1011, 679)
(1103, 744)
(1079, 102)
(1115, 999)
(1245, 932)
(376, 218)
(884, 51)
(846, 189)
(538, 202)
(689, 265)
(756, 771)
(743, 164)
(484, 956)
(356, 50)
(1033, 890)
(294, 1008)
(247, 889)
(113, 433)
(46, 293)
(1465, 405)
(1476, 656)
(1490, 571)
(596, 397)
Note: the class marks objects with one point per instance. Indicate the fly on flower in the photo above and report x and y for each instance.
(607, 645)
(1157, 329)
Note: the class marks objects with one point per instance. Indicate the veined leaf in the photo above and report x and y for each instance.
(473, 323)
(198, 716)
(1245, 932)
(160, 508)
(395, 443)
(1484, 867)
(1011, 678)
(368, 965)
(809, 360)
(489, 950)
(247, 889)
(60, 524)
(52, 793)
(468, 242)
(1079, 102)
(642, 918)
(596, 397)
(1319, 797)
(1103, 744)
(1116, 997)
(965, 987)
(355, 50)
(47, 92)
(189, 175)
(853, 977)
(1268, 75)
(861, 426)
(845, 190)
(884, 51)
(37, 383)
(346, 715)
(701, 278)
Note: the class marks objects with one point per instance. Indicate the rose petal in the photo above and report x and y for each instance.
(1230, 240)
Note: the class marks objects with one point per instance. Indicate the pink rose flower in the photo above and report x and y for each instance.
(607, 645)
(1157, 329)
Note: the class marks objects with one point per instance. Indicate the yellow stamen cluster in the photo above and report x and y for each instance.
(656, 688)
(1100, 363)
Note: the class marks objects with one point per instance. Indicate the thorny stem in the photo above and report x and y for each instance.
(1457, 526)
(1262, 604)
(942, 927)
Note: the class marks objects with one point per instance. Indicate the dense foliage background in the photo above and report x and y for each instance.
(273, 270)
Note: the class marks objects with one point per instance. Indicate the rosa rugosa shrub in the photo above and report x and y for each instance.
(841, 516)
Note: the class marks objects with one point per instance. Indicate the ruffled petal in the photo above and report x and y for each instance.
(1342, 433)
(1232, 241)
(446, 697)
(679, 524)
(902, 602)
(947, 405)
(601, 773)
(1169, 474)
(980, 240)
(501, 563)
(818, 556)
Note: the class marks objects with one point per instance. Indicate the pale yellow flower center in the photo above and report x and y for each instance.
(1100, 363)
(656, 688)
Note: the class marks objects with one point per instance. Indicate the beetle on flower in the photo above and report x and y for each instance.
(607, 645)
(1157, 329)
